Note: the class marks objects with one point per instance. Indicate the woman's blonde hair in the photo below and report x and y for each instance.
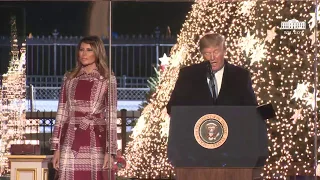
(100, 52)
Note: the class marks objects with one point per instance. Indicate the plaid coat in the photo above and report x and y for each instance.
(81, 130)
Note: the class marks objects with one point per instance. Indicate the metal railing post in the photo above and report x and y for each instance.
(123, 129)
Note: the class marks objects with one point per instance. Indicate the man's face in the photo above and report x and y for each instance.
(215, 55)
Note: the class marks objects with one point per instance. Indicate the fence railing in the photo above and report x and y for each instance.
(55, 81)
(133, 57)
(40, 127)
(53, 93)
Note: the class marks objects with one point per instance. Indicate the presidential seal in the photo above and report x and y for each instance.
(211, 131)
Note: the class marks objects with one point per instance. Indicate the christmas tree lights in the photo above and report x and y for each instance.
(13, 97)
(281, 64)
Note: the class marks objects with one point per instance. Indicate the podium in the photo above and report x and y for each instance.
(29, 167)
(217, 142)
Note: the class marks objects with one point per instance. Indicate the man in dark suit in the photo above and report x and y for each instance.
(214, 81)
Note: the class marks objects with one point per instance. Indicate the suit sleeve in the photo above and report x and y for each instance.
(249, 98)
(111, 105)
(61, 116)
(177, 93)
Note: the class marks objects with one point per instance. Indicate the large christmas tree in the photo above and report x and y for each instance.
(281, 64)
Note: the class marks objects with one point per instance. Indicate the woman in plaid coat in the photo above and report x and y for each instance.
(81, 132)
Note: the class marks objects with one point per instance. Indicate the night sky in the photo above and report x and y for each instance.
(70, 17)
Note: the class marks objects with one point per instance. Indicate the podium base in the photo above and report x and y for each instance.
(218, 174)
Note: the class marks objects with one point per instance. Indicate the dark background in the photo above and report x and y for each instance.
(69, 18)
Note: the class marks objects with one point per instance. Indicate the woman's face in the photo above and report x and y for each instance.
(86, 55)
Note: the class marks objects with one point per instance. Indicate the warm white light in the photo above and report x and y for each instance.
(12, 101)
(280, 61)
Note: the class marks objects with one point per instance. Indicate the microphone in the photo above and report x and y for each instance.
(210, 74)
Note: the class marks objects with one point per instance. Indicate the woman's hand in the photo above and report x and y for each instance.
(106, 161)
(56, 159)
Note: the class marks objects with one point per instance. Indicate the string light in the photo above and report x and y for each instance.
(12, 101)
(280, 62)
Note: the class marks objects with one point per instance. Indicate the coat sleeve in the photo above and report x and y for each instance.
(111, 116)
(250, 98)
(61, 116)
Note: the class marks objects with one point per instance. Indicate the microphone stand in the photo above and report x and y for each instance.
(210, 75)
(209, 70)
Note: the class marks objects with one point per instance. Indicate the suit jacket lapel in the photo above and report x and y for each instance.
(205, 84)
